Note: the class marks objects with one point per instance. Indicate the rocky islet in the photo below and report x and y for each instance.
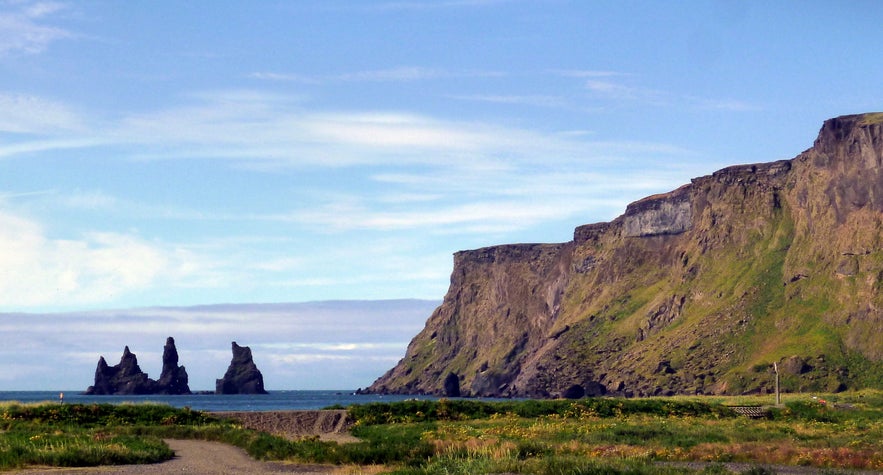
(127, 378)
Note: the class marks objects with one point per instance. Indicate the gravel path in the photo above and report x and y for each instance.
(198, 457)
(215, 458)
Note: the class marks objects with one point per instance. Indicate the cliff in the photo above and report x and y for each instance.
(126, 378)
(696, 291)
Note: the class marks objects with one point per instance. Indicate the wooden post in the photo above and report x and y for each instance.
(776, 368)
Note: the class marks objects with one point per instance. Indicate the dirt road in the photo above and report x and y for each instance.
(197, 457)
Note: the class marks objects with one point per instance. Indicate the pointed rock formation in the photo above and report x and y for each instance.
(173, 379)
(126, 378)
(242, 376)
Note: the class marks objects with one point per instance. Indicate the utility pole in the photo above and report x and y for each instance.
(776, 369)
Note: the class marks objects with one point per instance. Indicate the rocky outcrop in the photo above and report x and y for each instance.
(126, 378)
(242, 376)
(694, 291)
(173, 378)
(670, 213)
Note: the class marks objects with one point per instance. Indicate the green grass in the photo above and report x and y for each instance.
(872, 118)
(588, 436)
(76, 435)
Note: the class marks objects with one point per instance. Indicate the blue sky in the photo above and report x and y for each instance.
(185, 153)
(168, 153)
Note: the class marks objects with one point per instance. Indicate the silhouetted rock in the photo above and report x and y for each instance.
(126, 378)
(242, 376)
(173, 379)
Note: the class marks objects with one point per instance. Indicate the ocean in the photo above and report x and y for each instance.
(275, 401)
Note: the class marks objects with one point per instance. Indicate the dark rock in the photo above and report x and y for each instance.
(595, 389)
(574, 392)
(452, 385)
(126, 378)
(173, 379)
(242, 376)
(795, 365)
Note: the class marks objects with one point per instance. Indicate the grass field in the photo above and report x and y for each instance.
(589, 436)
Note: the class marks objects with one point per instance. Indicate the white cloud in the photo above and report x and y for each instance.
(21, 113)
(41, 270)
(402, 73)
(616, 90)
(292, 77)
(587, 73)
(730, 105)
(22, 30)
(262, 130)
(289, 342)
(395, 74)
(528, 100)
(90, 200)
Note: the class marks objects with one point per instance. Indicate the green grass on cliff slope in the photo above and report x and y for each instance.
(872, 118)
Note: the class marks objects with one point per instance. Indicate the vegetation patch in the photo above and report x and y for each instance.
(587, 436)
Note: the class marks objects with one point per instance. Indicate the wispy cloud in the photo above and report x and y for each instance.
(261, 128)
(395, 74)
(730, 105)
(434, 5)
(292, 77)
(616, 87)
(23, 27)
(529, 100)
(617, 90)
(404, 73)
(416, 173)
(318, 345)
(28, 114)
(587, 73)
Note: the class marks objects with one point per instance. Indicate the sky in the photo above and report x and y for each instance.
(341, 345)
(178, 154)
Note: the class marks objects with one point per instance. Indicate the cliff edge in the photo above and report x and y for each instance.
(696, 291)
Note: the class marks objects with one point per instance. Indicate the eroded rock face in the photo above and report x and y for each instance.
(670, 213)
(126, 378)
(242, 376)
(696, 291)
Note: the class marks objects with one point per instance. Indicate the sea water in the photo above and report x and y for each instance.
(275, 401)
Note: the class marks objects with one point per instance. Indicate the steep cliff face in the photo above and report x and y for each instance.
(698, 290)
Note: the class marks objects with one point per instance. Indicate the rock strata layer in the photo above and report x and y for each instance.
(695, 291)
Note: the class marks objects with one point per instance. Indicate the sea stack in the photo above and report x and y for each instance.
(126, 378)
(173, 379)
(242, 376)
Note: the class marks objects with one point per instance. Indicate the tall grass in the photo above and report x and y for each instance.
(613, 436)
(77, 435)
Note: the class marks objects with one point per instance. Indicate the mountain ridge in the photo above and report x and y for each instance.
(694, 291)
